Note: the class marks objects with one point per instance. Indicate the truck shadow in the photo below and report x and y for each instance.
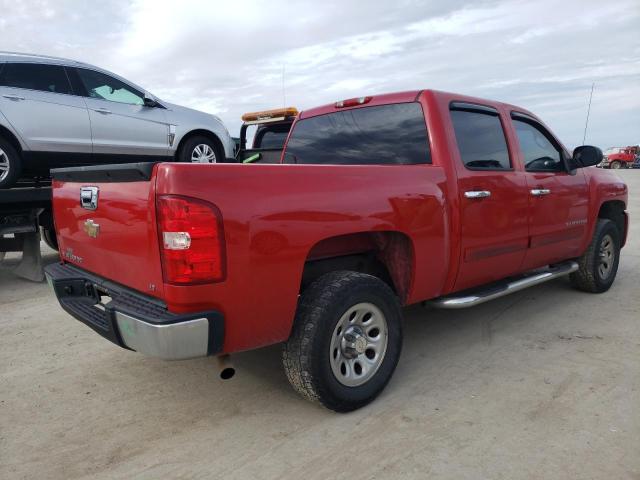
(433, 337)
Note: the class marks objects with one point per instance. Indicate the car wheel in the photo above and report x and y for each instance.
(201, 150)
(10, 164)
(615, 165)
(346, 340)
(49, 237)
(598, 266)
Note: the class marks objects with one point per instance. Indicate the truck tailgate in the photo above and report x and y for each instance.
(106, 223)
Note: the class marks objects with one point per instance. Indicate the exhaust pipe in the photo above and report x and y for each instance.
(227, 369)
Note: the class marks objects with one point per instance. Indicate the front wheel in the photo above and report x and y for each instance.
(200, 150)
(615, 165)
(598, 266)
(346, 340)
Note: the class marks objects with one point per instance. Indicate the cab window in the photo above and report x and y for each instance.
(539, 153)
(104, 87)
(380, 135)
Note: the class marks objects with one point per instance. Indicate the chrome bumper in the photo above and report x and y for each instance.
(174, 341)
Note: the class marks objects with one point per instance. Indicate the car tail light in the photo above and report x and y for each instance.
(352, 102)
(191, 240)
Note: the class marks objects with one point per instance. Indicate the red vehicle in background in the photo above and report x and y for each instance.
(620, 157)
(378, 202)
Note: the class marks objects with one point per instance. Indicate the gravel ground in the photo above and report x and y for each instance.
(543, 384)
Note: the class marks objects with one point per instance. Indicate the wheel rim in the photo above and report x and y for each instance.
(203, 153)
(615, 165)
(4, 165)
(358, 344)
(607, 257)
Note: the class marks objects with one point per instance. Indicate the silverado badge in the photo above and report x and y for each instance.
(92, 228)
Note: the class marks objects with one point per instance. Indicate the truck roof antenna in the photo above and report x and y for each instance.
(284, 96)
(584, 138)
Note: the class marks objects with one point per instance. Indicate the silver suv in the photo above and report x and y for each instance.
(56, 112)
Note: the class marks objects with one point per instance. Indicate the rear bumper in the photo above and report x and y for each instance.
(132, 320)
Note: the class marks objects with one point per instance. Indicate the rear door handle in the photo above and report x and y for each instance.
(13, 97)
(540, 192)
(102, 110)
(477, 194)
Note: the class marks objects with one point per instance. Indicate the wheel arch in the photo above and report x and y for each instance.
(614, 210)
(388, 255)
(197, 133)
(10, 137)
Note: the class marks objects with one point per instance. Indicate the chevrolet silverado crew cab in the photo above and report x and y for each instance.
(378, 202)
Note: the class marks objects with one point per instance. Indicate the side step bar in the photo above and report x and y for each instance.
(471, 298)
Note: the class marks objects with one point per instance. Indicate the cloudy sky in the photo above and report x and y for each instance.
(228, 57)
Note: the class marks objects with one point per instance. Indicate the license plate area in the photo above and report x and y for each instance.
(101, 296)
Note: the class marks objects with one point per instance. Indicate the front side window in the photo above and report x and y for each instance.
(103, 87)
(538, 151)
(33, 76)
(381, 135)
(480, 140)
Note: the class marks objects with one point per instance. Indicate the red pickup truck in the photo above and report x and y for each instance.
(620, 157)
(379, 202)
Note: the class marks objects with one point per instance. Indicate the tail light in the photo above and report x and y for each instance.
(191, 240)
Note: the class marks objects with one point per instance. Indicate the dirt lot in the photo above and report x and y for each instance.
(542, 384)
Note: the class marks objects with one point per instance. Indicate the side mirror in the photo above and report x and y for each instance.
(149, 101)
(586, 156)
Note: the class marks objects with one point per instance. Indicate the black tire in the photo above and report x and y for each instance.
(590, 277)
(187, 150)
(49, 237)
(306, 354)
(10, 158)
(615, 165)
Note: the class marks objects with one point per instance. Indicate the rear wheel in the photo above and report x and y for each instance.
(346, 340)
(49, 237)
(10, 164)
(598, 266)
(615, 165)
(200, 149)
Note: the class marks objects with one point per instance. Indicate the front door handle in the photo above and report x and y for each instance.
(13, 97)
(540, 192)
(102, 110)
(477, 194)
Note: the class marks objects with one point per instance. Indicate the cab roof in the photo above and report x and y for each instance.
(412, 96)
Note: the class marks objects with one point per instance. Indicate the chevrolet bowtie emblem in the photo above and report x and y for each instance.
(92, 228)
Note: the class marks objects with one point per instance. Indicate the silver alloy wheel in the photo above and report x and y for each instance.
(5, 166)
(607, 257)
(203, 153)
(358, 344)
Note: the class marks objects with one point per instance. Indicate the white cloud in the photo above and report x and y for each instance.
(227, 57)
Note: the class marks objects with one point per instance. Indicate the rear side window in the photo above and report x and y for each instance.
(481, 141)
(381, 135)
(33, 76)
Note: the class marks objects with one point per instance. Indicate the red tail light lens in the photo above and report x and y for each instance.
(191, 240)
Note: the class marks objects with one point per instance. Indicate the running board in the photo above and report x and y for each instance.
(471, 298)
